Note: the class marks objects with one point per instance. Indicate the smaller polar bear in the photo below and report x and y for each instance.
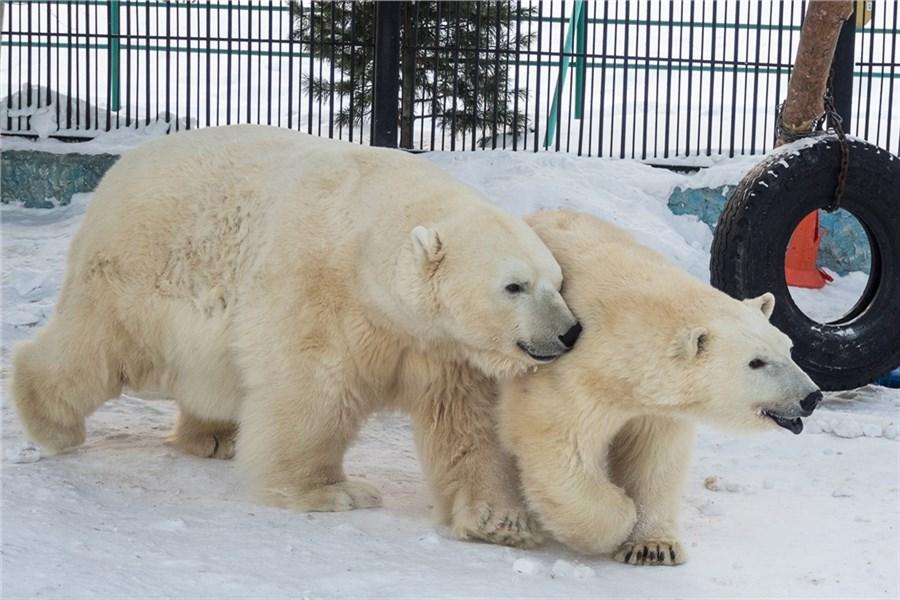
(603, 436)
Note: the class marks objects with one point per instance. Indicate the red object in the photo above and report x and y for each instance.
(800, 268)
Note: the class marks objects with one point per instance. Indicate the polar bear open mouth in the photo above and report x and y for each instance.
(792, 424)
(538, 357)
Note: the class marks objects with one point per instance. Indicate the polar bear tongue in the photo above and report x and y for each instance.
(794, 425)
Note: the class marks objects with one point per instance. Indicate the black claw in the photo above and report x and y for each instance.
(628, 555)
(672, 554)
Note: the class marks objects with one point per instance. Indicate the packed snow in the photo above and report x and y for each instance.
(127, 515)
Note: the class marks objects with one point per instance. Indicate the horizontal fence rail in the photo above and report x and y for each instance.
(640, 79)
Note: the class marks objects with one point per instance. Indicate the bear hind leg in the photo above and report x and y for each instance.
(63, 375)
(473, 479)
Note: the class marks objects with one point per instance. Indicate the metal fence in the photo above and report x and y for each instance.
(642, 79)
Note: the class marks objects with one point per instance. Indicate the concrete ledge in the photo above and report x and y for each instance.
(44, 180)
(845, 248)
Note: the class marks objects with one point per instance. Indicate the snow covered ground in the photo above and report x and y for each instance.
(126, 515)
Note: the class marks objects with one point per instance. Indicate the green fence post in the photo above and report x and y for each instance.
(580, 62)
(561, 79)
(114, 44)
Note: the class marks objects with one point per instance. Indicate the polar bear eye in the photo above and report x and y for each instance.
(514, 288)
(757, 363)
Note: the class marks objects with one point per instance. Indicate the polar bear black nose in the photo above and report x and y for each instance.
(571, 336)
(809, 403)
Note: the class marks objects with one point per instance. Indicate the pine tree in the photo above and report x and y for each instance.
(454, 60)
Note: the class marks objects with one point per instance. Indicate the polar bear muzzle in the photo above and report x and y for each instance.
(792, 422)
(547, 351)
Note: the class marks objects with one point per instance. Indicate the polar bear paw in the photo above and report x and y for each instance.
(505, 526)
(337, 497)
(204, 438)
(220, 444)
(651, 552)
(54, 439)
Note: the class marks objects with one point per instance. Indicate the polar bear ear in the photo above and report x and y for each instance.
(691, 341)
(427, 244)
(764, 303)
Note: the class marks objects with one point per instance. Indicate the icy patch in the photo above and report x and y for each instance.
(431, 539)
(872, 411)
(528, 566)
(564, 568)
(714, 483)
(170, 525)
(710, 509)
(23, 453)
(22, 317)
(29, 284)
(348, 528)
(849, 428)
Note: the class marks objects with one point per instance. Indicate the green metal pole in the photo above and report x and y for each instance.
(580, 62)
(561, 79)
(114, 46)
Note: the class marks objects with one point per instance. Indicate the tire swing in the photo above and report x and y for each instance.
(754, 231)
(756, 225)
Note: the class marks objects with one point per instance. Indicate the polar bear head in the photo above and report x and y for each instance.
(489, 284)
(732, 367)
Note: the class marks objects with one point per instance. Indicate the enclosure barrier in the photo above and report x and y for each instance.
(654, 80)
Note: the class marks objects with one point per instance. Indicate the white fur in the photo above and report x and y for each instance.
(603, 436)
(287, 287)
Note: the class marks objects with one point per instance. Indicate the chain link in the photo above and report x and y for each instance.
(835, 123)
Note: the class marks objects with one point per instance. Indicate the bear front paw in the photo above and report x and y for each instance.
(651, 552)
(337, 497)
(497, 525)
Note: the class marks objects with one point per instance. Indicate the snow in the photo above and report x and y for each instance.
(832, 301)
(115, 141)
(771, 515)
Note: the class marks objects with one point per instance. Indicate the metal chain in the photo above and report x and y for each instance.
(790, 135)
(836, 123)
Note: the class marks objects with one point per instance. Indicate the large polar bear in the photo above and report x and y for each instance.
(283, 287)
(603, 436)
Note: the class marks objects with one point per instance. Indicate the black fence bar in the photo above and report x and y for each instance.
(842, 74)
(387, 74)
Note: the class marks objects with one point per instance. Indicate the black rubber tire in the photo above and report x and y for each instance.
(753, 233)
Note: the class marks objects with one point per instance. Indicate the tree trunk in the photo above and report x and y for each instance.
(408, 74)
(806, 90)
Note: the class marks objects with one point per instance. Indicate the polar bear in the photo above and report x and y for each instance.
(281, 288)
(603, 436)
